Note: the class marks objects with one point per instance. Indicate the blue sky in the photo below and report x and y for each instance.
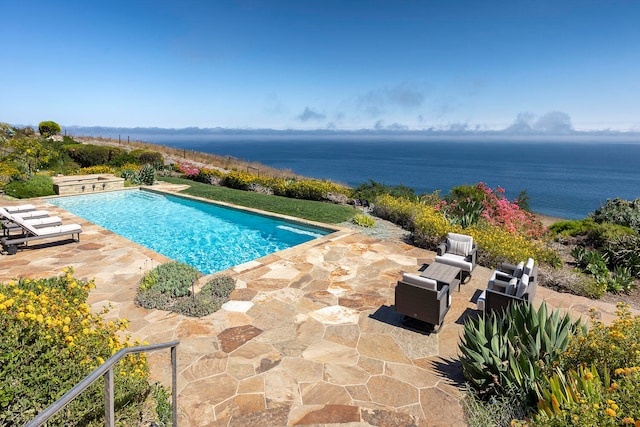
(309, 64)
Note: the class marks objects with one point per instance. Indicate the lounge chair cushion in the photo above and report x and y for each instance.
(19, 208)
(528, 268)
(522, 286)
(30, 214)
(424, 282)
(456, 261)
(56, 229)
(481, 300)
(459, 244)
(519, 269)
(511, 287)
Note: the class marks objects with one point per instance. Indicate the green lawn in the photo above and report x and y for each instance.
(327, 213)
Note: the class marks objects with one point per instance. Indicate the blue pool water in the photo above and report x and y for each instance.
(209, 237)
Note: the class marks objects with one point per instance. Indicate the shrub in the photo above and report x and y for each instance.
(467, 204)
(49, 128)
(616, 345)
(364, 220)
(402, 211)
(510, 350)
(213, 294)
(187, 169)
(595, 264)
(50, 341)
(209, 176)
(219, 287)
(495, 246)
(430, 226)
(66, 140)
(621, 212)
(93, 155)
(35, 186)
(572, 228)
(496, 411)
(624, 251)
(8, 172)
(238, 180)
(371, 190)
(6, 131)
(143, 156)
(564, 280)
(94, 170)
(586, 397)
(173, 278)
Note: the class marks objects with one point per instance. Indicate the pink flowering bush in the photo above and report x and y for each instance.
(467, 205)
(501, 212)
(189, 170)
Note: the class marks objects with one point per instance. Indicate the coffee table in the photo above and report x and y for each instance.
(443, 273)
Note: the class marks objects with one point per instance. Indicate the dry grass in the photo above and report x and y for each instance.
(172, 155)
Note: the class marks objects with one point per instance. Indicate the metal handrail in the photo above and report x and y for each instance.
(106, 370)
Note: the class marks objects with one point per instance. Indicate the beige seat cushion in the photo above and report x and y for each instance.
(414, 279)
(459, 244)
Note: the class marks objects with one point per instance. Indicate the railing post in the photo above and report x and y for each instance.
(109, 416)
(174, 386)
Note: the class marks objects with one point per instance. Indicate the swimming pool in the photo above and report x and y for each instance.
(209, 237)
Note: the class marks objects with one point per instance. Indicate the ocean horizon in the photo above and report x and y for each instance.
(562, 179)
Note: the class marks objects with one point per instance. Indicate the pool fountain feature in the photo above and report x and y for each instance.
(67, 185)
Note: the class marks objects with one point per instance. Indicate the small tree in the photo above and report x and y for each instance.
(49, 128)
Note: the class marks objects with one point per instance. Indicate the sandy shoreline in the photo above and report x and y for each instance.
(547, 220)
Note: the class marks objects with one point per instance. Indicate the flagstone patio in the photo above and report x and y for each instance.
(310, 336)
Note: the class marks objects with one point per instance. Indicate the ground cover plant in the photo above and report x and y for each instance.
(307, 209)
(171, 287)
(364, 220)
(50, 341)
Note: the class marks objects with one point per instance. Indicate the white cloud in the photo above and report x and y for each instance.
(308, 114)
(403, 96)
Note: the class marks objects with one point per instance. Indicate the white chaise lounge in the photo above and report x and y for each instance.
(19, 208)
(31, 233)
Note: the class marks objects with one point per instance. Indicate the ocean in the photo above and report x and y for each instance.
(562, 179)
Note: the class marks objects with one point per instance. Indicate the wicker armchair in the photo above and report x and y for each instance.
(422, 299)
(512, 283)
(458, 250)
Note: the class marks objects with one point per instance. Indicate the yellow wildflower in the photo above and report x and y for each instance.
(610, 412)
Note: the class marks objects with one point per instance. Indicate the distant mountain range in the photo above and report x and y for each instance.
(516, 133)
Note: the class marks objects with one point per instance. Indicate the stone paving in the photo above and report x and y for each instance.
(309, 337)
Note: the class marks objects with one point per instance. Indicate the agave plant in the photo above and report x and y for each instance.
(513, 349)
(147, 174)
